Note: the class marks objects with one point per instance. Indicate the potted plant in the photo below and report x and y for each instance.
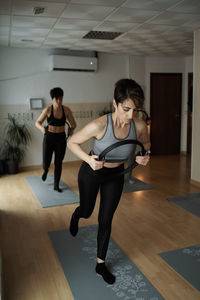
(16, 138)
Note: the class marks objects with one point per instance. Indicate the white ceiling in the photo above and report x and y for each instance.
(149, 26)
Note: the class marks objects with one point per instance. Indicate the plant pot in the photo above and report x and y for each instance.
(2, 167)
(12, 167)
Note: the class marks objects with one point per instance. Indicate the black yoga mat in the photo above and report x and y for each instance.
(186, 262)
(189, 202)
(135, 185)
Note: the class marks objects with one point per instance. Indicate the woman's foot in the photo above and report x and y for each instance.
(73, 226)
(44, 175)
(102, 270)
(56, 188)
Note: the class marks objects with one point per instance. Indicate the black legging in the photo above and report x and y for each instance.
(54, 142)
(110, 193)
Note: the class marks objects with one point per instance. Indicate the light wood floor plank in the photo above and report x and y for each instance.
(145, 224)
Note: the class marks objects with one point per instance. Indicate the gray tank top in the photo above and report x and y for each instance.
(120, 153)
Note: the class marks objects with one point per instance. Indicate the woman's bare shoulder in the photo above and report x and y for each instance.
(94, 127)
(99, 126)
(48, 109)
(100, 122)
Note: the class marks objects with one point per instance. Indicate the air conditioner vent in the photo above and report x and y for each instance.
(102, 35)
(73, 70)
(38, 10)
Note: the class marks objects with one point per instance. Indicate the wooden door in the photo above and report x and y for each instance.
(165, 109)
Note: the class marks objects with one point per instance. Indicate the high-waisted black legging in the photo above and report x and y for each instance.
(110, 193)
(54, 142)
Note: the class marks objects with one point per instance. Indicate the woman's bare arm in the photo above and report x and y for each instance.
(70, 118)
(143, 137)
(142, 134)
(41, 119)
(91, 130)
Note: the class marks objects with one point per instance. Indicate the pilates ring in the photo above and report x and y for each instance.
(69, 130)
(142, 152)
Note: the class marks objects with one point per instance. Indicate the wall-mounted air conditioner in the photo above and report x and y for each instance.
(72, 63)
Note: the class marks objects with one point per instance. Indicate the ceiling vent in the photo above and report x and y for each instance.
(72, 63)
(38, 10)
(102, 35)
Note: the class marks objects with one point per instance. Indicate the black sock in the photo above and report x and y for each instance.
(102, 270)
(44, 175)
(73, 226)
(56, 188)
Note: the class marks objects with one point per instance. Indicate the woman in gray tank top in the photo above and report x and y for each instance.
(97, 175)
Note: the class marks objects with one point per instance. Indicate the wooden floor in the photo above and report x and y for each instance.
(145, 224)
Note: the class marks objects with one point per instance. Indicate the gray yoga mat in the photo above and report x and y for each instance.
(45, 194)
(77, 256)
(186, 262)
(136, 185)
(190, 202)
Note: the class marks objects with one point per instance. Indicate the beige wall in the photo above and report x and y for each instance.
(21, 81)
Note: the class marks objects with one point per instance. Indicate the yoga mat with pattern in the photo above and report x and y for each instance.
(77, 256)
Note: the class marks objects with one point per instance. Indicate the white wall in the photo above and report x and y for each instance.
(26, 71)
(24, 74)
(137, 69)
(195, 161)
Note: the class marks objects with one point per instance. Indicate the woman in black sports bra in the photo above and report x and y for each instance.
(95, 176)
(54, 134)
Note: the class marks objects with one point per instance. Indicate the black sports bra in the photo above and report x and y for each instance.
(56, 122)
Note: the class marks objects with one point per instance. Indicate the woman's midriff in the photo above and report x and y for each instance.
(56, 129)
(112, 165)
